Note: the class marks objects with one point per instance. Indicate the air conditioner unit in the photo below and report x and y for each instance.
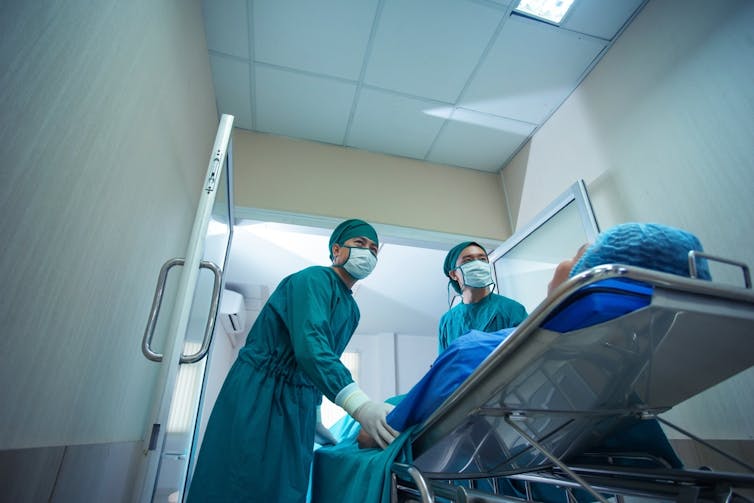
(232, 312)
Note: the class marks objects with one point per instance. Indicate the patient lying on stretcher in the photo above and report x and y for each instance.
(650, 246)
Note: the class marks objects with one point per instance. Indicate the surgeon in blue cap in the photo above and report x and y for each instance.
(259, 439)
(468, 269)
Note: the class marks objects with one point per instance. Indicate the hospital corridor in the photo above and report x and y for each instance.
(375, 251)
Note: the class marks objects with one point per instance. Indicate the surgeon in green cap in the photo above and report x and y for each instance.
(259, 439)
(468, 269)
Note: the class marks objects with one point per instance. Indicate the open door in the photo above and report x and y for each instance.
(168, 439)
(525, 262)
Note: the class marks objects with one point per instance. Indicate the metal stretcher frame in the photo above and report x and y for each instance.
(542, 398)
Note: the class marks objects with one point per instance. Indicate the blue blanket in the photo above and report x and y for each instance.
(448, 371)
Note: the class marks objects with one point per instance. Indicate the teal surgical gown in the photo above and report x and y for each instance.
(494, 312)
(258, 442)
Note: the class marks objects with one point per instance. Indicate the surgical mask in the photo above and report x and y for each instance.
(360, 263)
(476, 274)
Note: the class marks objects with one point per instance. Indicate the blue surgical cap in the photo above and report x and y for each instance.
(651, 246)
(351, 229)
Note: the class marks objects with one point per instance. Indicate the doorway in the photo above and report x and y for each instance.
(401, 302)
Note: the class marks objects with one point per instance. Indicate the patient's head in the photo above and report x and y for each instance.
(652, 246)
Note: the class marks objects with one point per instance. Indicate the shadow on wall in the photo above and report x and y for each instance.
(606, 195)
(514, 182)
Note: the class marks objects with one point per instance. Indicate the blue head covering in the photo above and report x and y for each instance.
(351, 229)
(452, 257)
(652, 246)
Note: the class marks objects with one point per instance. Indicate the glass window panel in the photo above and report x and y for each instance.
(524, 264)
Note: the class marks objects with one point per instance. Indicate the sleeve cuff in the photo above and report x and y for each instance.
(351, 398)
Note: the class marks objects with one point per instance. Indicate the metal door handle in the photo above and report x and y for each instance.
(208, 329)
(146, 342)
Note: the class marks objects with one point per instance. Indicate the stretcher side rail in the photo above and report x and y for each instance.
(496, 424)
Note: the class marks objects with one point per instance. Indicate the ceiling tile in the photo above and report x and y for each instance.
(428, 48)
(231, 80)
(302, 106)
(398, 68)
(393, 124)
(530, 70)
(327, 36)
(600, 18)
(480, 141)
(226, 27)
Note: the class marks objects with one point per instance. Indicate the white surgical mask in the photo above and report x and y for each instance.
(360, 263)
(476, 274)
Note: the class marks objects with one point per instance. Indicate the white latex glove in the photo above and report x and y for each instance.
(372, 417)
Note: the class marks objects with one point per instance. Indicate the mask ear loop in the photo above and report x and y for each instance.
(451, 296)
(492, 274)
(494, 283)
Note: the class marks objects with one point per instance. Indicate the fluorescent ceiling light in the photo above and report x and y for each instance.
(549, 10)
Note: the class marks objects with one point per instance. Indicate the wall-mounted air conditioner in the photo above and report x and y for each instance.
(232, 312)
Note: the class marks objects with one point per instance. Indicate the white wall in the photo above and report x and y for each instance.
(392, 363)
(108, 116)
(663, 130)
(377, 363)
(415, 354)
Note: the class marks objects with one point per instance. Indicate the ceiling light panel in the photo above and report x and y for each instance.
(552, 11)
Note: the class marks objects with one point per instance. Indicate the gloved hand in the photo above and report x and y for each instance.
(323, 436)
(372, 417)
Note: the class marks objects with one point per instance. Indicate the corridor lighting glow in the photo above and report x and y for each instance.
(549, 10)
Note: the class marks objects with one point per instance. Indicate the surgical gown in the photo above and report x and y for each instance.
(494, 312)
(258, 442)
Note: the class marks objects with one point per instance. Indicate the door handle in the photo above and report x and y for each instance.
(209, 328)
(146, 342)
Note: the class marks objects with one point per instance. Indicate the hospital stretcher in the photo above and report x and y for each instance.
(536, 406)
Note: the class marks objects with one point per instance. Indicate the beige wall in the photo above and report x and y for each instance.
(108, 116)
(663, 130)
(276, 173)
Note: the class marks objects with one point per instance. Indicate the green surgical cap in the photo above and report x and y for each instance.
(452, 257)
(647, 245)
(351, 229)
